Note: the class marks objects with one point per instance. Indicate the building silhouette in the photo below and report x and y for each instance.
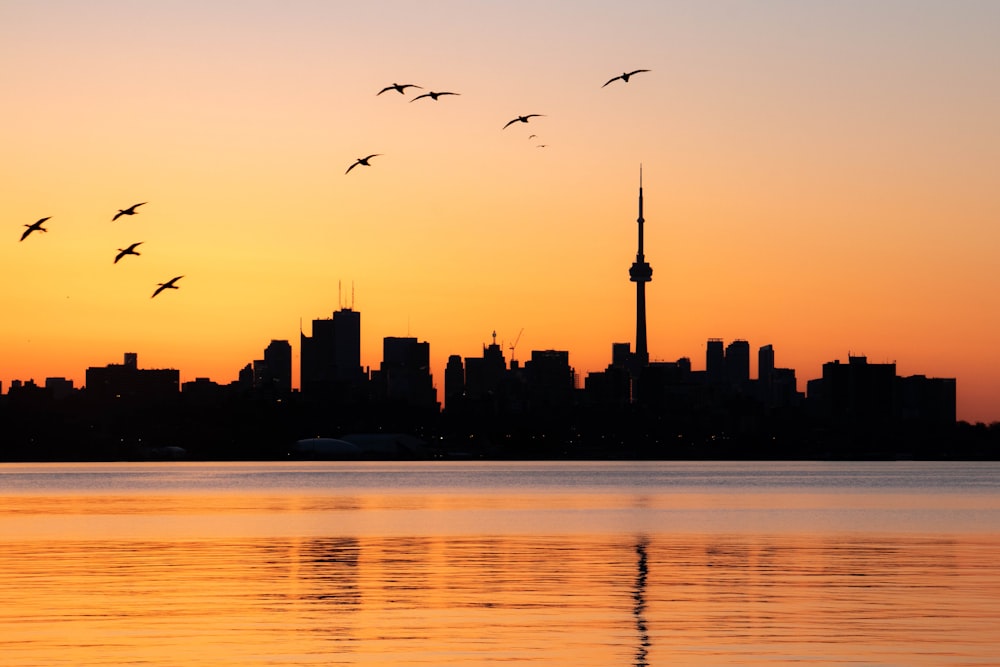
(715, 361)
(128, 381)
(867, 396)
(486, 378)
(454, 382)
(404, 377)
(737, 365)
(331, 358)
(272, 375)
(59, 387)
(549, 380)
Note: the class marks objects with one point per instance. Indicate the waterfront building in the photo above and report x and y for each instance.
(128, 381)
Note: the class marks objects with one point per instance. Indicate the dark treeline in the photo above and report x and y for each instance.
(35, 425)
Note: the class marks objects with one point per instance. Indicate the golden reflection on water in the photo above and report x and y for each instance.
(448, 600)
(463, 578)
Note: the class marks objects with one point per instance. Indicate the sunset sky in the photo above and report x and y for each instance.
(819, 176)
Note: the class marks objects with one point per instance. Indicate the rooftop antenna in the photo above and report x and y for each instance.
(340, 296)
(352, 295)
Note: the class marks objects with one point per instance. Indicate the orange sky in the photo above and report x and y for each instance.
(818, 176)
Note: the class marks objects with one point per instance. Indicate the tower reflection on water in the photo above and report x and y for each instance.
(639, 608)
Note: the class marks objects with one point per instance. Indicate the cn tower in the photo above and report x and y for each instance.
(640, 273)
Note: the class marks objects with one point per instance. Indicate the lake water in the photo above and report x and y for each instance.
(446, 563)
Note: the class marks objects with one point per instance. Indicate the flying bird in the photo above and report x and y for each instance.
(399, 87)
(532, 136)
(362, 161)
(167, 285)
(127, 211)
(523, 119)
(432, 95)
(127, 251)
(34, 227)
(624, 76)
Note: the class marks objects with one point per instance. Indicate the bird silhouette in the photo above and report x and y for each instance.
(127, 251)
(34, 227)
(624, 76)
(523, 119)
(127, 211)
(167, 285)
(362, 161)
(432, 95)
(399, 87)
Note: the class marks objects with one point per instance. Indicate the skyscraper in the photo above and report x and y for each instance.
(406, 372)
(765, 365)
(331, 357)
(715, 361)
(454, 382)
(278, 367)
(738, 364)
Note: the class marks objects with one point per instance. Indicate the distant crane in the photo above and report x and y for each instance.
(514, 344)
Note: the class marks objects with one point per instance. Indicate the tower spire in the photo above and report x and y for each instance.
(640, 219)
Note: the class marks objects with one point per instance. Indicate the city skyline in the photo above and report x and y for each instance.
(817, 178)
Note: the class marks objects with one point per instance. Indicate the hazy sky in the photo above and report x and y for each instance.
(819, 176)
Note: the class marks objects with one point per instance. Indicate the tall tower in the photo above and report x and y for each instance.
(640, 273)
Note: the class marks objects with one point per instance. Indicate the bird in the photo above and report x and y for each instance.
(624, 76)
(532, 136)
(363, 161)
(398, 87)
(167, 285)
(34, 227)
(127, 211)
(523, 119)
(127, 251)
(432, 95)
(542, 146)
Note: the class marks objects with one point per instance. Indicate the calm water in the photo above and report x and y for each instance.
(443, 564)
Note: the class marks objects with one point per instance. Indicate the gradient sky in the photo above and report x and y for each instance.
(819, 176)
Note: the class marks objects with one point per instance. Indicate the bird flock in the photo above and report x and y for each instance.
(365, 161)
(401, 88)
(129, 250)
